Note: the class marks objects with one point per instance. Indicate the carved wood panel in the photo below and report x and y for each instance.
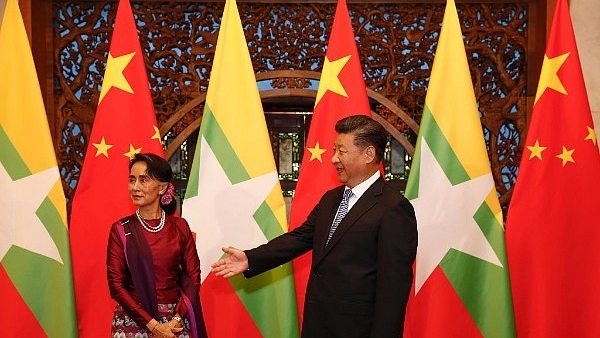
(396, 42)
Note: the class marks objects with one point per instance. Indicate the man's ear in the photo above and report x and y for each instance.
(370, 154)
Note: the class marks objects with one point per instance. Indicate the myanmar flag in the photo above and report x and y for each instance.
(36, 285)
(341, 93)
(552, 228)
(234, 198)
(125, 124)
(461, 286)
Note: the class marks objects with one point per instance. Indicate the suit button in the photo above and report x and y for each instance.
(316, 274)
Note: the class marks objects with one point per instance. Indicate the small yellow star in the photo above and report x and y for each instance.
(329, 78)
(316, 152)
(102, 148)
(156, 134)
(536, 150)
(132, 151)
(566, 156)
(591, 135)
(113, 76)
(549, 75)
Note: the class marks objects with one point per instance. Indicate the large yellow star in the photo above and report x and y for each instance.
(549, 75)
(316, 152)
(102, 148)
(132, 151)
(566, 156)
(156, 134)
(591, 135)
(536, 150)
(329, 78)
(113, 76)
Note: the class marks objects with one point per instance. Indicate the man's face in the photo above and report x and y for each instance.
(350, 161)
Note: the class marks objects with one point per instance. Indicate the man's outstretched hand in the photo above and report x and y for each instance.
(231, 265)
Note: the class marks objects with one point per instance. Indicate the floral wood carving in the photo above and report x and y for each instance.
(396, 42)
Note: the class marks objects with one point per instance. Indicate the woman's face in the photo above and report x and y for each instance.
(143, 190)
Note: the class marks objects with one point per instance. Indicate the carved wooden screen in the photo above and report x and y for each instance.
(396, 42)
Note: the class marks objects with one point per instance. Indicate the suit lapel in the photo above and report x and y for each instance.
(364, 203)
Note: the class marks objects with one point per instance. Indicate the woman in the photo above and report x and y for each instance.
(152, 264)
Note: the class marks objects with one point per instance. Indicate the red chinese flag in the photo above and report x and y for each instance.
(125, 124)
(341, 93)
(552, 227)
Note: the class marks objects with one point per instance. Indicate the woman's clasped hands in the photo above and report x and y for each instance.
(168, 329)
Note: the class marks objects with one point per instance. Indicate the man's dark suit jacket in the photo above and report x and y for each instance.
(359, 283)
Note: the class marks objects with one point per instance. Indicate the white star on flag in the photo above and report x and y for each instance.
(20, 225)
(445, 217)
(222, 213)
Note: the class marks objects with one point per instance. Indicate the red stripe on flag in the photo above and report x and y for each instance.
(451, 320)
(18, 318)
(219, 302)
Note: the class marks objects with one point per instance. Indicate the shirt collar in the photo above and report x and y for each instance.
(360, 189)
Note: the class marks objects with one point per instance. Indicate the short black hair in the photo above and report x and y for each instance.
(366, 131)
(159, 169)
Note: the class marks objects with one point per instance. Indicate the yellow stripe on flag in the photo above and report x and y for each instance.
(21, 70)
(234, 111)
(450, 97)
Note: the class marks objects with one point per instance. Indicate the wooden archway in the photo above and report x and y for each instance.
(290, 92)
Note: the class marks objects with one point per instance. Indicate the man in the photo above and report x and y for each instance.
(361, 271)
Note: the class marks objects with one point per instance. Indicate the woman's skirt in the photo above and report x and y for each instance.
(124, 327)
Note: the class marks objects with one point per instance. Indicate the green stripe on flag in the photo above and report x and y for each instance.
(268, 223)
(10, 159)
(442, 151)
(228, 159)
(488, 315)
(259, 300)
(456, 265)
(487, 221)
(216, 138)
(41, 292)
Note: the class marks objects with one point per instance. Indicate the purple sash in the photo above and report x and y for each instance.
(140, 263)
